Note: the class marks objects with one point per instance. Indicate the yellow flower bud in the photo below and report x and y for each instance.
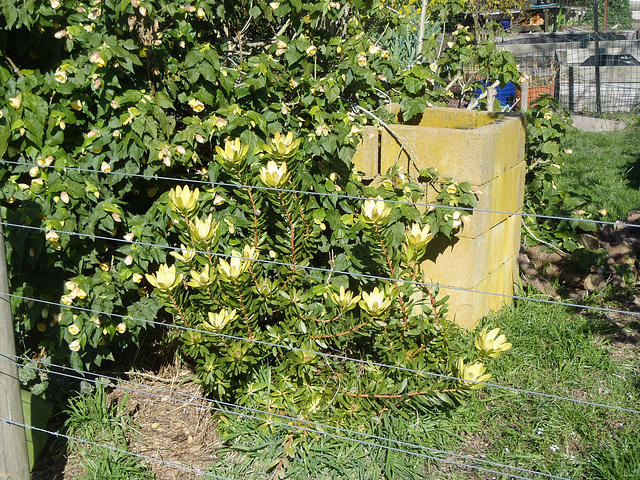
(474, 372)
(75, 345)
(183, 200)
(204, 230)
(374, 303)
(234, 153)
(165, 279)
(375, 210)
(491, 344)
(344, 299)
(274, 176)
(217, 321)
(282, 146)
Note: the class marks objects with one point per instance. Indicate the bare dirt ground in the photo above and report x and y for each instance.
(171, 423)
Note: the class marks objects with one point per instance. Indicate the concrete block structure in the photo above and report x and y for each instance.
(487, 150)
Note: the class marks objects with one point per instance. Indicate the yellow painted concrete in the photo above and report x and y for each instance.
(487, 150)
(475, 155)
(367, 156)
(466, 307)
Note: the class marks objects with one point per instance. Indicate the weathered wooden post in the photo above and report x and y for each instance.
(14, 460)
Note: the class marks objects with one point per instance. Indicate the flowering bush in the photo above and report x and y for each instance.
(104, 103)
(302, 279)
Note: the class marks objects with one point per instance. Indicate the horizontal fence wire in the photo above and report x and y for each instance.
(285, 421)
(332, 356)
(113, 449)
(333, 271)
(339, 196)
(337, 357)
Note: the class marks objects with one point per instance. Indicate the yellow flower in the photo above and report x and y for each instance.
(15, 102)
(202, 279)
(344, 299)
(362, 60)
(474, 372)
(375, 303)
(548, 115)
(418, 237)
(183, 200)
(104, 266)
(75, 345)
(375, 210)
(311, 50)
(235, 267)
(274, 176)
(233, 154)
(217, 321)
(76, 105)
(196, 105)
(121, 327)
(105, 167)
(74, 329)
(137, 278)
(165, 279)
(67, 299)
(451, 189)
(186, 256)
(53, 238)
(204, 230)
(282, 146)
(491, 344)
(97, 59)
(60, 76)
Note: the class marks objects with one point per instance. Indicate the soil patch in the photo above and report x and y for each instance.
(173, 422)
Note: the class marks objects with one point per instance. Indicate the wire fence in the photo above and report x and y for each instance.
(296, 423)
(587, 58)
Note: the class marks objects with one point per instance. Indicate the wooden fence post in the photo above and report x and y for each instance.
(14, 459)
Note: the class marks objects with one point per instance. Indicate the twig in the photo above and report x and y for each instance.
(403, 145)
(560, 252)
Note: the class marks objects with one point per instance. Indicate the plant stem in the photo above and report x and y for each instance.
(244, 310)
(391, 270)
(291, 230)
(175, 305)
(341, 333)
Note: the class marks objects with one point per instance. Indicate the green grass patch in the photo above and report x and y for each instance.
(606, 167)
(93, 418)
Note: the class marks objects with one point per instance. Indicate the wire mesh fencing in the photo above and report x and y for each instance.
(468, 462)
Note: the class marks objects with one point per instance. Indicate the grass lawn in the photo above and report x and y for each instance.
(606, 167)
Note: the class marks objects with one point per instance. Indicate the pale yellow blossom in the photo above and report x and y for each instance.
(473, 373)
(204, 230)
(375, 210)
(375, 303)
(165, 279)
(490, 344)
(273, 175)
(183, 200)
(217, 321)
(196, 105)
